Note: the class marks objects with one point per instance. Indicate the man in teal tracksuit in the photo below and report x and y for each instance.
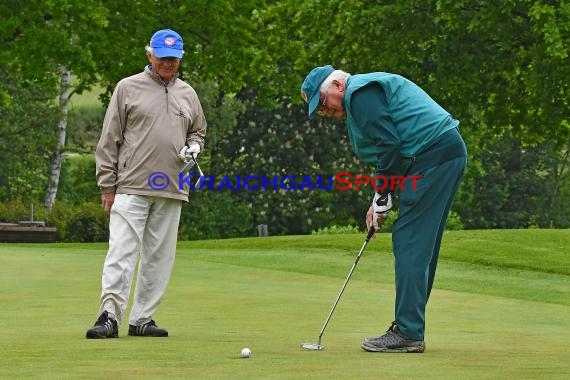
(397, 127)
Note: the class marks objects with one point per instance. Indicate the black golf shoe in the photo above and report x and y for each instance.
(393, 342)
(148, 329)
(104, 327)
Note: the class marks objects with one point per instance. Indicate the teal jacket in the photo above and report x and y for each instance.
(391, 120)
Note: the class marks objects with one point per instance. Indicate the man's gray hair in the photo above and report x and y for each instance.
(149, 49)
(335, 75)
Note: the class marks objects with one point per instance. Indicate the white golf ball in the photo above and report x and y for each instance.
(245, 352)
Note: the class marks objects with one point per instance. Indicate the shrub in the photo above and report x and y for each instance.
(59, 217)
(454, 222)
(13, 211)
(336, 230)
(214, 215)
(85, 222)
(78, 183)
(89, 223)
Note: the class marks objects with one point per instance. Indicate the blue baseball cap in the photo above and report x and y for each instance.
(310, 89)
(167, 43)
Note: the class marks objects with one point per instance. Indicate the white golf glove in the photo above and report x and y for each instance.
(381, 205)
(187, 152)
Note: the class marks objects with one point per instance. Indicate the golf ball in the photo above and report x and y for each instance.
(245, 352)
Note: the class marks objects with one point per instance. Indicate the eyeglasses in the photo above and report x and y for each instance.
(321, 105)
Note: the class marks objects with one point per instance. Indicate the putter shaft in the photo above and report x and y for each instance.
(371, 232)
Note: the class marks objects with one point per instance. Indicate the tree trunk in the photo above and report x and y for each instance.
(57, 157)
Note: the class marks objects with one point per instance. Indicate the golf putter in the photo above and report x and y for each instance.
(318, 346)
(190, 164)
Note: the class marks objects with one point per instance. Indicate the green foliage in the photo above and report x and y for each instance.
(84, 127)
(517, 187)
(89, 223)
(221, 42)
(500, 67)
(78, 182)
(13, 211)
(454, 222)
(281, 142)
(74, 222)
(518, 71)
(55, 33)
(27, 125)
(59, 216)
(495, 66)
(80, 222)
(336, 230)
(213, 215)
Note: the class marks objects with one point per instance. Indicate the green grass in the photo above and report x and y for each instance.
(500, 310)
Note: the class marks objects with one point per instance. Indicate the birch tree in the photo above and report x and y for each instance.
(57, 157)
(47, 42)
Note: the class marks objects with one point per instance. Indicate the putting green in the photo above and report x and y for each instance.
(218, 302)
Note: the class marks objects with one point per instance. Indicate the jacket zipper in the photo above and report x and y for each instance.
(166, 92)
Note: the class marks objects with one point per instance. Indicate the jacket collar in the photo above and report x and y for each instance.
(157, 78)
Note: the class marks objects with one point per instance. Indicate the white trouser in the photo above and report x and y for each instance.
(139, 225)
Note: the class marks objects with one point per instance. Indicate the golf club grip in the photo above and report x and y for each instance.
(371, 232)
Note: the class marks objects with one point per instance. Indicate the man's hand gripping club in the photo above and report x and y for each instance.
(188, 153)
(379, 210)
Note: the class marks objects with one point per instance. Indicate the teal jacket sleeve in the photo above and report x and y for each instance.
(370, 112)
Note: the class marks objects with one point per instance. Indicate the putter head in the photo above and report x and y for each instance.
(189, 164)
(197, 166)
(312, 346)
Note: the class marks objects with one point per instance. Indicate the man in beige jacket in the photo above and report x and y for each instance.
(153, 119)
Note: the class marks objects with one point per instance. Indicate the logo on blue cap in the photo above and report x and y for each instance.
(167, 43)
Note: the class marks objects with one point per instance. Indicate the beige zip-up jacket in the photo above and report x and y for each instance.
(146, 125)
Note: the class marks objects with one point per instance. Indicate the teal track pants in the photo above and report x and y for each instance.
(416, 239)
